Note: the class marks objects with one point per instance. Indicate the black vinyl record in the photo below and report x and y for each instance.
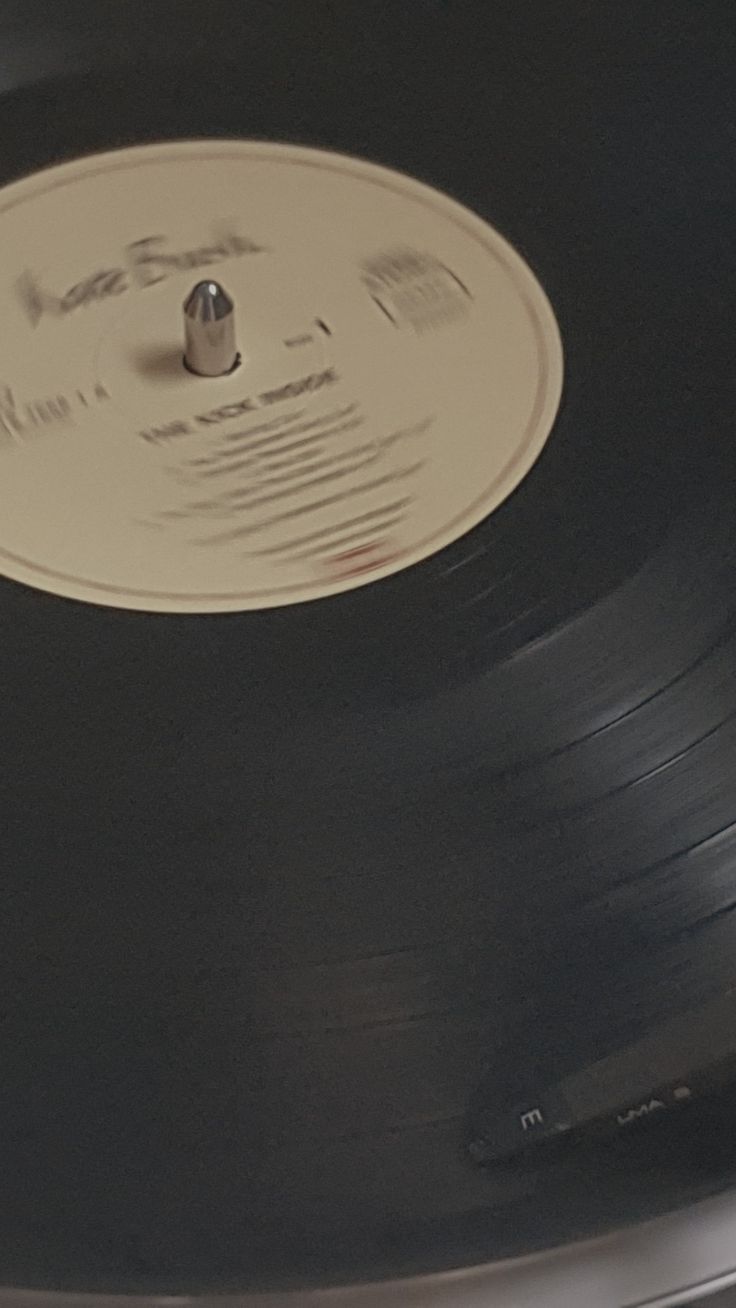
(297, 900)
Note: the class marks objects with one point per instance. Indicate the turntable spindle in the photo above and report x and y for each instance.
(209, 321)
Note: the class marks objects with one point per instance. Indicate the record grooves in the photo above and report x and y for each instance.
(300, 900)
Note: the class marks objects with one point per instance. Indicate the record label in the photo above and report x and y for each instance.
(400, 371)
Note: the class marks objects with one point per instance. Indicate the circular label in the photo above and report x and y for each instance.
(400, 370)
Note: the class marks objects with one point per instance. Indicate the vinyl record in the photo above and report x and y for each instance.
(369, 778)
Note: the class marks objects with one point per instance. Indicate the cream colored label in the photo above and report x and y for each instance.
(401, 371)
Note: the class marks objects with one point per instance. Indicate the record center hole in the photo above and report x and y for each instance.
(204, 377)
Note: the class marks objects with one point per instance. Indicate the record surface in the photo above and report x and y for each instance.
(288, 887)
